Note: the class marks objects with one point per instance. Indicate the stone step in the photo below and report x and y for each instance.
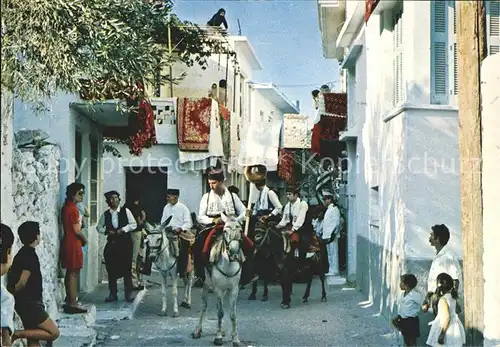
(335, 280)
(76, 336)
(119, 310)
(78, 320)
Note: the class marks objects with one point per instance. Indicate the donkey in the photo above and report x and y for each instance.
(225, 277)
(273, 257)
(159, 251)
(315, 262)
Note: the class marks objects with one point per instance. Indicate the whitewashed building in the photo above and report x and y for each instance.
(163, 165)
(402, 134)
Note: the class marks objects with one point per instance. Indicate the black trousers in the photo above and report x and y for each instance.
(113, 278)
(118, 259)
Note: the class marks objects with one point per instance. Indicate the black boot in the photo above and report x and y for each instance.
(145, 267)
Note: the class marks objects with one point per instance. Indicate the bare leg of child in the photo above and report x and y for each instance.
(46, 331)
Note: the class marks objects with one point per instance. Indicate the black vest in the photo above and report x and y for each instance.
(122, 219)
(270, 206)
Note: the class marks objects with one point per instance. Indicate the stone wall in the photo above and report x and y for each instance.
(35, 189)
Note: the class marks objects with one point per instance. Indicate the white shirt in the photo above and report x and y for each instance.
(262, 202)
(181, 217)
(444, 261)
(212, 204)
(331, 221)
(7, 309)
(409, 304)
(298, 211)
(131, 226)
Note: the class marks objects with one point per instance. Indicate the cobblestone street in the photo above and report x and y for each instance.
(342, 321)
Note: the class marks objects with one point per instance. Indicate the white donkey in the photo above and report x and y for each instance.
(159, 251)
(225, 277)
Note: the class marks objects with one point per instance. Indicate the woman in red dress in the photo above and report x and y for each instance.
(74, 240)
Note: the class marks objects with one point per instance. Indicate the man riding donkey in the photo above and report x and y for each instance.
(267, 207)
(181, 224)
(294, 216)
(215, 207)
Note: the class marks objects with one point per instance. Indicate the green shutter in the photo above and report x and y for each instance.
(452, 53)
(493, 26)
(439, 56)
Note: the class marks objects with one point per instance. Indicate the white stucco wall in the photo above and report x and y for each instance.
(490, 75)
(391, 226)
(431, 179)
(60, 121)
(189, 182)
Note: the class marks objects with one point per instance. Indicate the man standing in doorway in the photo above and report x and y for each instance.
(134, 205)
(117, 223)
(181, 223)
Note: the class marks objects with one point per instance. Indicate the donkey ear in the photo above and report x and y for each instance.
(165, 223)
(148, 227)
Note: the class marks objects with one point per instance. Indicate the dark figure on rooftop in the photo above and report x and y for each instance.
(218, 19)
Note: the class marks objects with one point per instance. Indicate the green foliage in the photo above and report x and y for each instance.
(52, 45)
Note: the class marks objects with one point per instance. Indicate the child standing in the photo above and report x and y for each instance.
(25, 282)
(7, 240)
(446, 328)
(409, 306)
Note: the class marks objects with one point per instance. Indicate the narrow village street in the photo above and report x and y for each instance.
(356, 140)
(344, 320)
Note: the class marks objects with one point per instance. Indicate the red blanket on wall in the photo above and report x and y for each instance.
(193, 124)
(286, 166)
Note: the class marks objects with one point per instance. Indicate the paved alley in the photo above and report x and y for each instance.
(342, 321)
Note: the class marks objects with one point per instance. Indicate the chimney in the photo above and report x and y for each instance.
(297, 105)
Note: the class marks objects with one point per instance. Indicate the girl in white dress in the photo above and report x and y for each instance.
(446, 329)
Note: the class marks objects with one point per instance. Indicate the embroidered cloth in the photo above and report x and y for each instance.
(193, 124)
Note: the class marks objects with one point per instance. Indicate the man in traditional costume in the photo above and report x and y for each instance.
(215, 208)
(266, 207)
(181, 224)
(117, 223)
(294, 216)
(331, 232)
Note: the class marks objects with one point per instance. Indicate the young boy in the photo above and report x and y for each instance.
(407, 321)
(7, 240)
(25, 282)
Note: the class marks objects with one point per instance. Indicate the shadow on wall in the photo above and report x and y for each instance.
(418, 164)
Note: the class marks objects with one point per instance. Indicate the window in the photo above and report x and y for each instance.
(374, 207)
(444, 59)
(397, 35)
(493, 25)
(94, 179)
(78, 156)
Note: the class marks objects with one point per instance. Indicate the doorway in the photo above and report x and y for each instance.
(151, 183)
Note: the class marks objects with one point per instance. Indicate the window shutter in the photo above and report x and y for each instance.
(452, 53)
(439, 56)
(493, 26)
(399, 87)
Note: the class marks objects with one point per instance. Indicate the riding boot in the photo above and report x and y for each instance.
(145, 264)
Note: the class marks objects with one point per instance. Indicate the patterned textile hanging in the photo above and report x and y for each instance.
(286, 166)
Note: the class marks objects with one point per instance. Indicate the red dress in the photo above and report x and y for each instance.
(71, 253)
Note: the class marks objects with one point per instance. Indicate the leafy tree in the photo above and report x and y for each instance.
(92, 46)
